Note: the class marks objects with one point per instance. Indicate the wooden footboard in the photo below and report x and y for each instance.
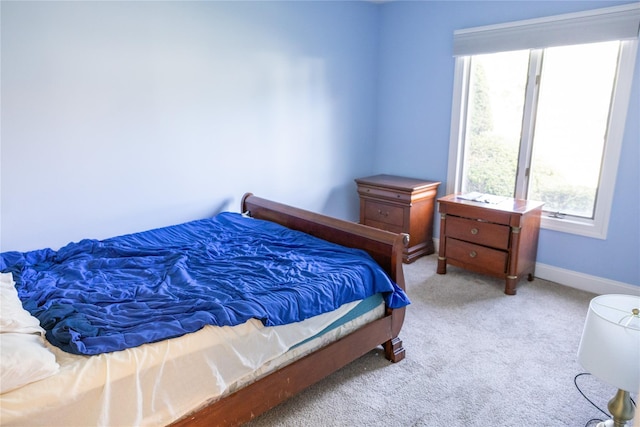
(386, 248)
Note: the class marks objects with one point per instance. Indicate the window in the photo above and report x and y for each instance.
(541, 116)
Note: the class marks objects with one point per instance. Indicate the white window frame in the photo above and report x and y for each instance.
(490, 39)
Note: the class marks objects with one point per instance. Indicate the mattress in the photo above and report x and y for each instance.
(158, 383)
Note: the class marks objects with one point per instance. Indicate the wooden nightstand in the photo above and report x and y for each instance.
(400, 205)
(498, 239)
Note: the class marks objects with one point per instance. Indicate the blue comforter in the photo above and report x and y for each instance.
(95, 296)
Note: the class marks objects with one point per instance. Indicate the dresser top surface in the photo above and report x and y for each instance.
(396, 182)
(508, 205)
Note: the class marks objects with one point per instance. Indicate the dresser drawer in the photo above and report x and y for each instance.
(482, 233)
(383, 213)
(478, 256)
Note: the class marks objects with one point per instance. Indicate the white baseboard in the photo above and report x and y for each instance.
(577, 280)
(584, 282)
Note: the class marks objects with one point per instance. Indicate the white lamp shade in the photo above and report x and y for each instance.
(610, 345)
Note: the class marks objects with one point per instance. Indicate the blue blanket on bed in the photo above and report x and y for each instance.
(95, 296)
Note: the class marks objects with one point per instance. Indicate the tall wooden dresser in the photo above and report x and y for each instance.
(400, 205)
(498, 239)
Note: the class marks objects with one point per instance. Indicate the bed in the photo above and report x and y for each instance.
(159, 382)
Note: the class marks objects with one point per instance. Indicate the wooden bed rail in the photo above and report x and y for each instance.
(384, 247)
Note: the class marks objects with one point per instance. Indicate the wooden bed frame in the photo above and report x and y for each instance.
(386, 248)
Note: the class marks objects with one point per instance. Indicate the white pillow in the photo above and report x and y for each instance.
(13, 317)
(24, 359)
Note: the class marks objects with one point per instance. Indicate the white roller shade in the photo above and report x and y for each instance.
(611, 23)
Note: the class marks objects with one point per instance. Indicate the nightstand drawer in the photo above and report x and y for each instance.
(478, 256)
(385, 193)
(383, 213)
(482, 233)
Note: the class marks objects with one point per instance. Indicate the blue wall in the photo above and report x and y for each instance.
(122, 116)
(414, 116)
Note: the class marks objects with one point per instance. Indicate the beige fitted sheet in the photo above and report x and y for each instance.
(156, 384)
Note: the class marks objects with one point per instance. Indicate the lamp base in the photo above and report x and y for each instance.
(621, 408)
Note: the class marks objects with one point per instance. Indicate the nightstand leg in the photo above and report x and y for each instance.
(510, 288)
(442, 250)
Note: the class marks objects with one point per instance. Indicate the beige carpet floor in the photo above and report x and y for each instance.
(475, 357)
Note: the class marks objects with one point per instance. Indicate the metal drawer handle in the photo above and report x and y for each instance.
(473, 254)
(474, 231)
(383, 213)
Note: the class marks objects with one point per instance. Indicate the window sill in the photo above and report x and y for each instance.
(588, 228)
